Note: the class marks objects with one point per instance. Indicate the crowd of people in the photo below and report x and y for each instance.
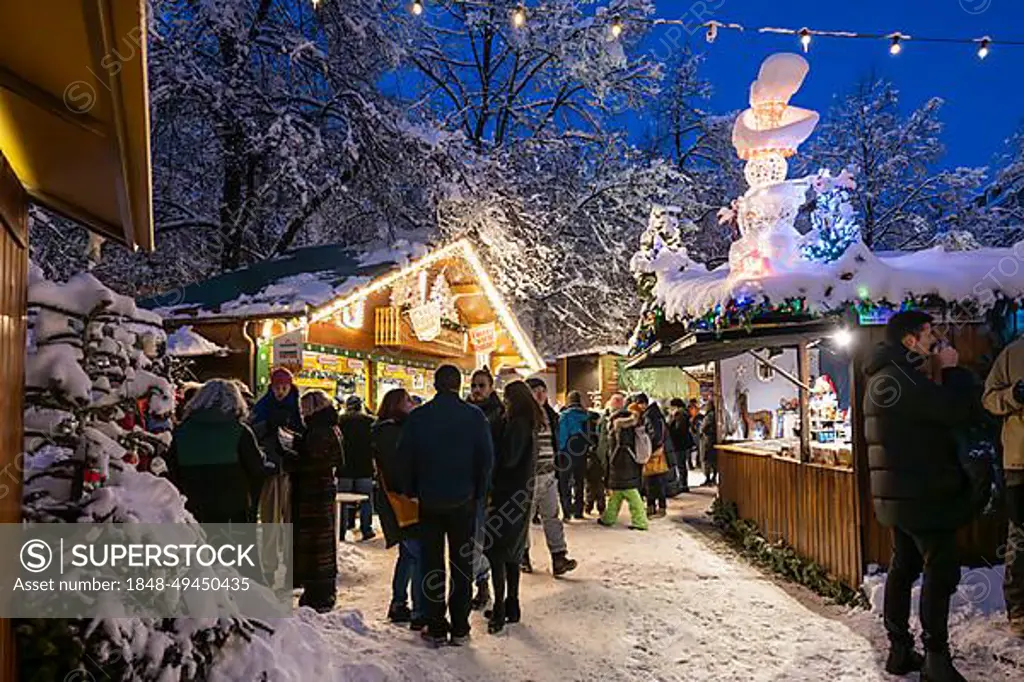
(467, 474)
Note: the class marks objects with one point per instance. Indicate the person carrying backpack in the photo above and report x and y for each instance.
(630, 449)
(575, 441)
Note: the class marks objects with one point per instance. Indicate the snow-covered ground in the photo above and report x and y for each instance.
(666, 605)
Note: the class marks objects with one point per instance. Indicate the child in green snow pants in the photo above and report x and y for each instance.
(637, 512)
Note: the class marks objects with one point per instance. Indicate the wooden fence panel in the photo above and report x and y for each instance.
(812, 507)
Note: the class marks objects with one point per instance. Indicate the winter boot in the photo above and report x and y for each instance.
(903, 660)
(399, 613)
(561, 564)
(417, 624)
(496, 623)
(434, 639)
(512, 612)
(483, 596)
(938, 667)
(526, 566)
(369, 536)
(604, 523)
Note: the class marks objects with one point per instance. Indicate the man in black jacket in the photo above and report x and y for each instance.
(448, 442)
(918, 486)
(356, 475)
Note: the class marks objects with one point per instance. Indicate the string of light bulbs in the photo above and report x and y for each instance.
(518, 17)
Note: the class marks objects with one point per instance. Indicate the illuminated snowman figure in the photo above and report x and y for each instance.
(765, 135)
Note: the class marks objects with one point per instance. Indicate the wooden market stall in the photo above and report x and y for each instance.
(74, 137)
(353, 322)
(791, 453)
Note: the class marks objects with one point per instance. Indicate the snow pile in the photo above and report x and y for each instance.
(335, 647)
(977, 620)
(186, 342)
(688, 289)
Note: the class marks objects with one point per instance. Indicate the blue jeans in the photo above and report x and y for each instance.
(363, 486)
(409, 569)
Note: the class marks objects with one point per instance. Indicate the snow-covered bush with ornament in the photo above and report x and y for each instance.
(96, 375)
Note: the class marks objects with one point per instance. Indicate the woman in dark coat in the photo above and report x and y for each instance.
(319, 453)
(391, 470)
(510, 502)
(214, 459)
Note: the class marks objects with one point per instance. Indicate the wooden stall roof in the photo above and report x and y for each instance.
(701, 347)
(316, 282)
(74, 111)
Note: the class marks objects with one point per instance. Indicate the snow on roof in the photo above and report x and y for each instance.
(185, 342)
(299, 280)
(688, 289)
(595, 350)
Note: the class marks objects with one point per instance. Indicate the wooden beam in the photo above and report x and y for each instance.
(804, 365)
(802, 385)
(466, 290)
(33, 94)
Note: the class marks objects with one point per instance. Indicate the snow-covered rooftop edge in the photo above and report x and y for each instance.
(687, 289)
(186, 342)
(293, 295)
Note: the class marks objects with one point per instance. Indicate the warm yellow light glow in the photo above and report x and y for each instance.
(519, 17)
(983, 48)
(895, 47)
(463, 247)
(417, 7)
(805, 39)
(616, 28)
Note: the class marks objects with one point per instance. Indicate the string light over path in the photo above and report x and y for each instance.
(896, 40)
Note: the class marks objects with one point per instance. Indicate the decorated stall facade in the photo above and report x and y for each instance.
(790, 323)
(354, 322)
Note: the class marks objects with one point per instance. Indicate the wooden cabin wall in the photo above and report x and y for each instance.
(979, 542)
(13, 295)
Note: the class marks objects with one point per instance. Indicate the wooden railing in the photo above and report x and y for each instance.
(812, 507)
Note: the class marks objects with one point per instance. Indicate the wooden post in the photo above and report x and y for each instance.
(13, 303)
(719, 402)
(804, 368)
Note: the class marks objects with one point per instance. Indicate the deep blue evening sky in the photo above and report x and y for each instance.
(984, 98)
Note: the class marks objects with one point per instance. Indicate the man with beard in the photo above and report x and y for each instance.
(919, 487)
(483, 395)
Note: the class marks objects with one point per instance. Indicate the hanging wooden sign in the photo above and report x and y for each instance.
(426, 321)
(288, 349)
(483, 338)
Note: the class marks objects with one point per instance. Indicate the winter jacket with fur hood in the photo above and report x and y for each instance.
(623, 471)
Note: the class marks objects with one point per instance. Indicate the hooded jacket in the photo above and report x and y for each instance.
(998, 399)
(494, 410)
(910, 424)
(623, 471)
(574, 431)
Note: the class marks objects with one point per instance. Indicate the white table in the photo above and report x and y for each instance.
(345, 498)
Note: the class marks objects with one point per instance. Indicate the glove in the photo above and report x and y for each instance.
(1018, 391)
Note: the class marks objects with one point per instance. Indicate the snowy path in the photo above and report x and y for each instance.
(665, 605)
(660, 605)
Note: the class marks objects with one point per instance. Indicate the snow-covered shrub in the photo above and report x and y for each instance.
(96, 374)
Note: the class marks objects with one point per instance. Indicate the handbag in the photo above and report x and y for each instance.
(407, 509)
(657, 464)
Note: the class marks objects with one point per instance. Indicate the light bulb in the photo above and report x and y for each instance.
(895, 47)
(519, 17)
(805, 39)
(983, 48)
(616, 27)
(712, 32)
(843, 338)
(417, 7)
(316, 4)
